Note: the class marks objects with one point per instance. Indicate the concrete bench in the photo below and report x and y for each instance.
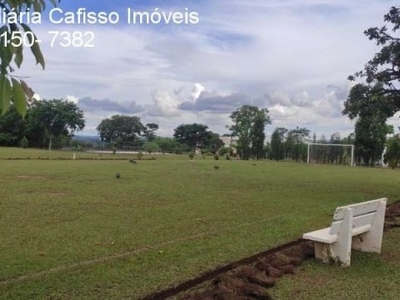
(358, 226)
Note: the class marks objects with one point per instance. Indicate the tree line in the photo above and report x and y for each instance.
(128, 132)
(52, 124)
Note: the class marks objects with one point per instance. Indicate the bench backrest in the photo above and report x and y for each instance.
(364, 213)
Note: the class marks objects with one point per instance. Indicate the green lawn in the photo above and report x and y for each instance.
(76, 232)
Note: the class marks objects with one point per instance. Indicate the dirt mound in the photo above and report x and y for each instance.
(252, 281)
(251, 277)
(392, 216)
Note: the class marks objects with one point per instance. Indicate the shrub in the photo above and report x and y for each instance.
(223, 151)
(191, 155)
(227, 157)
(216, 156)
(114, 150)
(24, 142)
(178, 150)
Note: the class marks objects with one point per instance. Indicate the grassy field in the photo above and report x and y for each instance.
(70, 230)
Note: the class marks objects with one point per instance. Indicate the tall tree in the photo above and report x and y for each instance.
(150, 134)
(382, 72)
(277, 143)
(299, 134)
(121, 130)
(370, 138)
(13, 33)
(193, 135)
(249, 125)
(54, 119)
(258, 136)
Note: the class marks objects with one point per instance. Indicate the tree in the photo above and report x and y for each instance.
(166, 144)
(151, 147)
(392, 156)
(193, 135)
(370, 138)
(12, 88)
(151, 128)
(24, 143)
(367, 100)
(121, 130)
(212, 142)
(298, 135)
(54, 119)
(382, 72)
(277, 146)
(249, 125)
(258, 136)
(12, 128)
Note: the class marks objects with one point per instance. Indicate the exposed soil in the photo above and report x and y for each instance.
(250, 278)
(34, 177)
(392, 216)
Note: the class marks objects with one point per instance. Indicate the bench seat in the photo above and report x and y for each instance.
(323, 235)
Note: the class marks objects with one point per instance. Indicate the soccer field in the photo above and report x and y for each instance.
(69, 229)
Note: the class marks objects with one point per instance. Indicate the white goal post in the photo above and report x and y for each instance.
(333, 145)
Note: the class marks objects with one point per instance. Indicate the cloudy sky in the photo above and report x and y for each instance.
(290, 56)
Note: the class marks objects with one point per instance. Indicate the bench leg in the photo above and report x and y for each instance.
(322, 252)
(341, 250)
(371, 241)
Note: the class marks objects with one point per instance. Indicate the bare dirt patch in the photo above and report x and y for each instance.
(392, 216)
(61, 193)
(33, 177)
(250, 278)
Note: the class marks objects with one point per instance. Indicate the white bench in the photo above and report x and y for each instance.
(358, 226)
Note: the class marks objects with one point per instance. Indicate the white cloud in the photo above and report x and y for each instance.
(71, 98)
(165, 104)
(36, 97)
(197, 90)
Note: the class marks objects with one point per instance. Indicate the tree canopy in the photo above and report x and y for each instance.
(249, 123)
(150, 132)
(121, 130)
(193, 135)
(381, 74)
(55, 118)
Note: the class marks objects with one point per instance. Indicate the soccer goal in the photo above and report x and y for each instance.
(342, 154)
